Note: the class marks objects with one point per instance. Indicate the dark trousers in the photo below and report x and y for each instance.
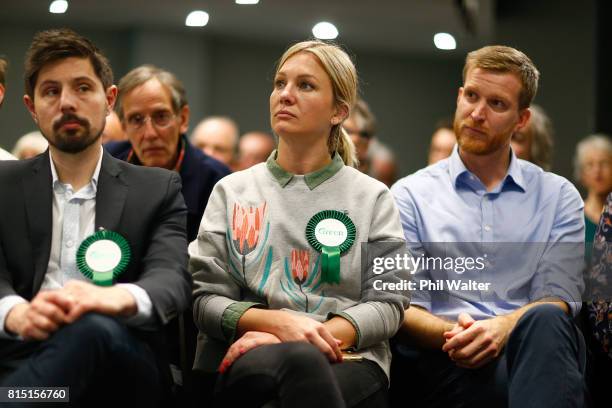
(542, 365)
(99, 359)
(299, 375)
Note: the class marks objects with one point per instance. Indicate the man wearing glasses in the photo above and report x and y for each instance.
(154, 113)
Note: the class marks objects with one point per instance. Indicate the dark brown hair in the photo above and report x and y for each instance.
(52, 45)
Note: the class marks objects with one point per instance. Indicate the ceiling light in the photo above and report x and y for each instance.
(247, 1)
(58, 7)
(197, 18)
(325, 31)
(445, 41)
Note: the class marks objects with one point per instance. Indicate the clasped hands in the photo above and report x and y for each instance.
(51, 309)
(473, 344)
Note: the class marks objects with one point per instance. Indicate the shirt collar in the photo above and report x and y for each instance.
(458, 170)
(94, 178)
(312, 180)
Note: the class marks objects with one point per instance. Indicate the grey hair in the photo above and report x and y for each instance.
(599, 141)
(144, 73)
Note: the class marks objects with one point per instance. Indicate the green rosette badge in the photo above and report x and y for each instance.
(332, 233)
(103, 256)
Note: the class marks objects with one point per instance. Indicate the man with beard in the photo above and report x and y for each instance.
(63, 323)
(515, 344)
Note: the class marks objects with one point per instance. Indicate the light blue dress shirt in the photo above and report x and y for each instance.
(529, 230)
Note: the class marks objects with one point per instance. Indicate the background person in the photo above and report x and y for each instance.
(153, 109)
(254, 148)
(217, 136)
(29, 145)
(593, 171)
(442, 142)
(535, 141)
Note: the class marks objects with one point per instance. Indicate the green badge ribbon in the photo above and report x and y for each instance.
(332, 233)
(103, 256)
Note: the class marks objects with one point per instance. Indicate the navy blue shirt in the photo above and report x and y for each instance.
(199, 174)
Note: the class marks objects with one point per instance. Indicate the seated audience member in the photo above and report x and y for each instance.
(4, 155)
(113, 131)
(534, 142)
(361, 126)
(442, 142)
(600, 309)
(154, 113)
(254, 148)
(217, 136)
(57, 327)
(382, 162)
(593, 171)
(276, 312)
(512, 342)
(29, 145)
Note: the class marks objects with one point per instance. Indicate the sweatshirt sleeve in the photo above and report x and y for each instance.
(381, 311)
(217, 290)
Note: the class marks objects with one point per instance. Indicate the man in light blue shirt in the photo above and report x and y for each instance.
(509, 338)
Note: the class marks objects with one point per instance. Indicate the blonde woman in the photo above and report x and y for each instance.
(279, 296)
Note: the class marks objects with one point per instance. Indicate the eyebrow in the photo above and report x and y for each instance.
(77, 79)
(300, 76)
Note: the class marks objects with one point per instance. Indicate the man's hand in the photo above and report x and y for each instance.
(472, 344)
(248, 341)
(37, 320)
(113, 301)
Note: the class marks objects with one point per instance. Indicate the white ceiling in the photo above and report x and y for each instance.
(397, 26)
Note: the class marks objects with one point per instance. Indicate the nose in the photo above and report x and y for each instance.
(148, 130)
(68, 101)
(286, 95)
(479, 112)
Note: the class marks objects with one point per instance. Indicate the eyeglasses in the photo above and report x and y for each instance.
(159, 119)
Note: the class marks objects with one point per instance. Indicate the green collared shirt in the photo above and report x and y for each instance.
(312, 180)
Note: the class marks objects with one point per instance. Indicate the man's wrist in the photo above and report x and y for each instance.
(14, 317)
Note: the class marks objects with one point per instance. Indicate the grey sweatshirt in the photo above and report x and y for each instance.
(252, 251)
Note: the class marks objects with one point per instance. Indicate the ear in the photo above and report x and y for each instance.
(524, 116)
(459, 94)
(111, 97)
(1, 93)
(29, 103)
(342, 112)
(184, 118)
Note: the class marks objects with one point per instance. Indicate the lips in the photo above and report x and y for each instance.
(284, 114)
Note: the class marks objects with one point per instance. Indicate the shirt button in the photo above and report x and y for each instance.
(487, 228)
(69, 243)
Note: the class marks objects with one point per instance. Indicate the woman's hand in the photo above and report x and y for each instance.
(291, 327)
(247, 342)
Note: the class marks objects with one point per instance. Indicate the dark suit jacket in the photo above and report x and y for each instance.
(142, 204)
(199, 174)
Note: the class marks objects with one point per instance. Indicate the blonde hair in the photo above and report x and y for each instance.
(341, 71)
(499, 58)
